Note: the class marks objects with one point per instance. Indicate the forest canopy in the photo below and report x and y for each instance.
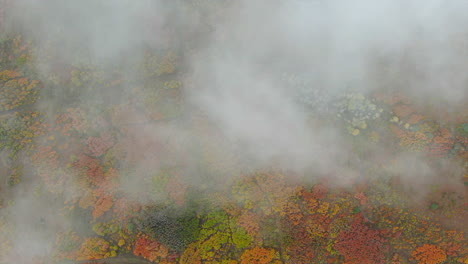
(233, 132)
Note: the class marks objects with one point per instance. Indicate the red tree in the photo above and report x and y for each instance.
(361, 244)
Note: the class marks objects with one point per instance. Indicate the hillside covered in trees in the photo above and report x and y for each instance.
(189, 132)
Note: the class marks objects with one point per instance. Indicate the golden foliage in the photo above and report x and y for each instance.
(429, 254)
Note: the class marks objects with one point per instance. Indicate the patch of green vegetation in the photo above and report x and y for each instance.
(356, 210)
(463, 129)
(434, 206)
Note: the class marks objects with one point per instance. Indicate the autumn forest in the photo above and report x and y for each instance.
(185, 132)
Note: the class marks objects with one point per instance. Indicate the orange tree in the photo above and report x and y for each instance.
(429, 254)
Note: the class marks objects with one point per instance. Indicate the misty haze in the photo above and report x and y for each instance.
(233, 131)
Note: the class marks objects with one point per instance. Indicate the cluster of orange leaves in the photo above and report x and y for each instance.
(103, 204)
(73, 119)
(91, 167)
(308, 221)
(150, 249)
(97, 146)
(257, 255)
(46, 160)
(34, 127)
(16, 90)
(9, 74)
(101, 197)
(403, 110)
(46, 155)
(411, 140)
(100, 200)
(429, 254)
(361, 197)
(125, 209)
(93, 248)
(441, 144)
(250, 222)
